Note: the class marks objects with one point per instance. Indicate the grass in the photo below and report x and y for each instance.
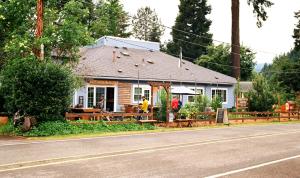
(66, 130)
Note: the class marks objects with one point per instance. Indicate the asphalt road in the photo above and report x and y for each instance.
(249, 151)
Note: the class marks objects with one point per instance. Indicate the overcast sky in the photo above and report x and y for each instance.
(274, 38)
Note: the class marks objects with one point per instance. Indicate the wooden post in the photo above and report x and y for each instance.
(152, 117)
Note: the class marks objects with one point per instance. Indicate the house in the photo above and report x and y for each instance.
(119, 70)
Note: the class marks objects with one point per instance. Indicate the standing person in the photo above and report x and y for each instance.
(175, 106)
(100, 104)
(145, 105)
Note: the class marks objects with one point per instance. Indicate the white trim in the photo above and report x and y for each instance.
(226, 89)
(144, 87)
(193, 88)
(105, 92)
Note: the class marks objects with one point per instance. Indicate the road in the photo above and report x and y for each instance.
(248, 151)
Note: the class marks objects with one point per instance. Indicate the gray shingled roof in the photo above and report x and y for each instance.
(246, 86)
(98, 63)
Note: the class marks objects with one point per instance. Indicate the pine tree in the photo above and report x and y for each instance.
(110, 19)
(146, 25)
(191, 19)
(296, 35)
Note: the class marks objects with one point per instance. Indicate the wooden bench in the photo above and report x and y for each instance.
(147, 121)
(189, 121)
(101, 116)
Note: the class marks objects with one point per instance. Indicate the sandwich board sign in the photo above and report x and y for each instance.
(221, 116)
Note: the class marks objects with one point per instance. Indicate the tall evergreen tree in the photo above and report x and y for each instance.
(110, 19)
(261, 15)
(146, 25)
(192, 20)
(296, 35)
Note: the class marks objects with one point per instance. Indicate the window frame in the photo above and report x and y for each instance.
(222, 89)
(143, 87)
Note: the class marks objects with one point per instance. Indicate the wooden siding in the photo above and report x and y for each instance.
(124, 93)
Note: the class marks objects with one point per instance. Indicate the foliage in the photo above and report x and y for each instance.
(64, 29)
(201, 102)
(216, 103)
(284, 72)
(199, 105)
(110, 19)
(38, 88)
(296, 35)
(218, 59)
(261, 97)
(8, 129)
(65, 128)
(191, 19)
(259, 9)
(188, 110)
(163, 105)
(146, 25)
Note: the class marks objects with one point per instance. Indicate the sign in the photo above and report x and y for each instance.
(242, 103)
(221, 116)
(102, 82)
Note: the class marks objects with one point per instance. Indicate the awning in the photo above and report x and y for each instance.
(182, 90)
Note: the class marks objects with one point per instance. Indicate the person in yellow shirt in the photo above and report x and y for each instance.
(144, 104)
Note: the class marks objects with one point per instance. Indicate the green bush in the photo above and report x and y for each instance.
(201, 102)
(41, 89)
(261, 97)
(52, 128)
(7, 129)
(216, 103)
(163, 105)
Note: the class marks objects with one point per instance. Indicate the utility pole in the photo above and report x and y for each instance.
(39, 28)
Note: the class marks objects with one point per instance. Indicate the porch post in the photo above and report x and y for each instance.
(152, 114)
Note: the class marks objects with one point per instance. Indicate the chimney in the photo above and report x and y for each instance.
(114, 56)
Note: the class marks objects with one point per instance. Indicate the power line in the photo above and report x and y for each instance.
(174, 55)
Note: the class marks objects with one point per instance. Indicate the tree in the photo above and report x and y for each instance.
(261, 15)
(218, 59)
(261, 97)
(42, 89)
(296, 35)
(285, 71)
(110, 19)
(191, 29)
(146, 25)
(64, 28)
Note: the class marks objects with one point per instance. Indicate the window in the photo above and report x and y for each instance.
(199, 91)
(191, 98)
(94, 94)
(222, 93)
(90, 97)
(138, 92)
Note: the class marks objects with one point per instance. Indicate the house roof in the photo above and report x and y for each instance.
(147, 65)
(246, 86)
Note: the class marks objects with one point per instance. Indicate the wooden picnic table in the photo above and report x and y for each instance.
(189, 121)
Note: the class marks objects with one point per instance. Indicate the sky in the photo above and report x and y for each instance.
(274, 38)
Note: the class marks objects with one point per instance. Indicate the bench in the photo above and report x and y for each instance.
(104, 115)
(147, 121)
(189, 121)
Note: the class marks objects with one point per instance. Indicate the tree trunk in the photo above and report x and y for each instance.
(235, 38)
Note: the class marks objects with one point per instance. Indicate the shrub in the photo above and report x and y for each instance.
(261, 97)
(65, 128)
(163, 105)
(216, 103)
(201, 102)
(41, 89)
(188, 110)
